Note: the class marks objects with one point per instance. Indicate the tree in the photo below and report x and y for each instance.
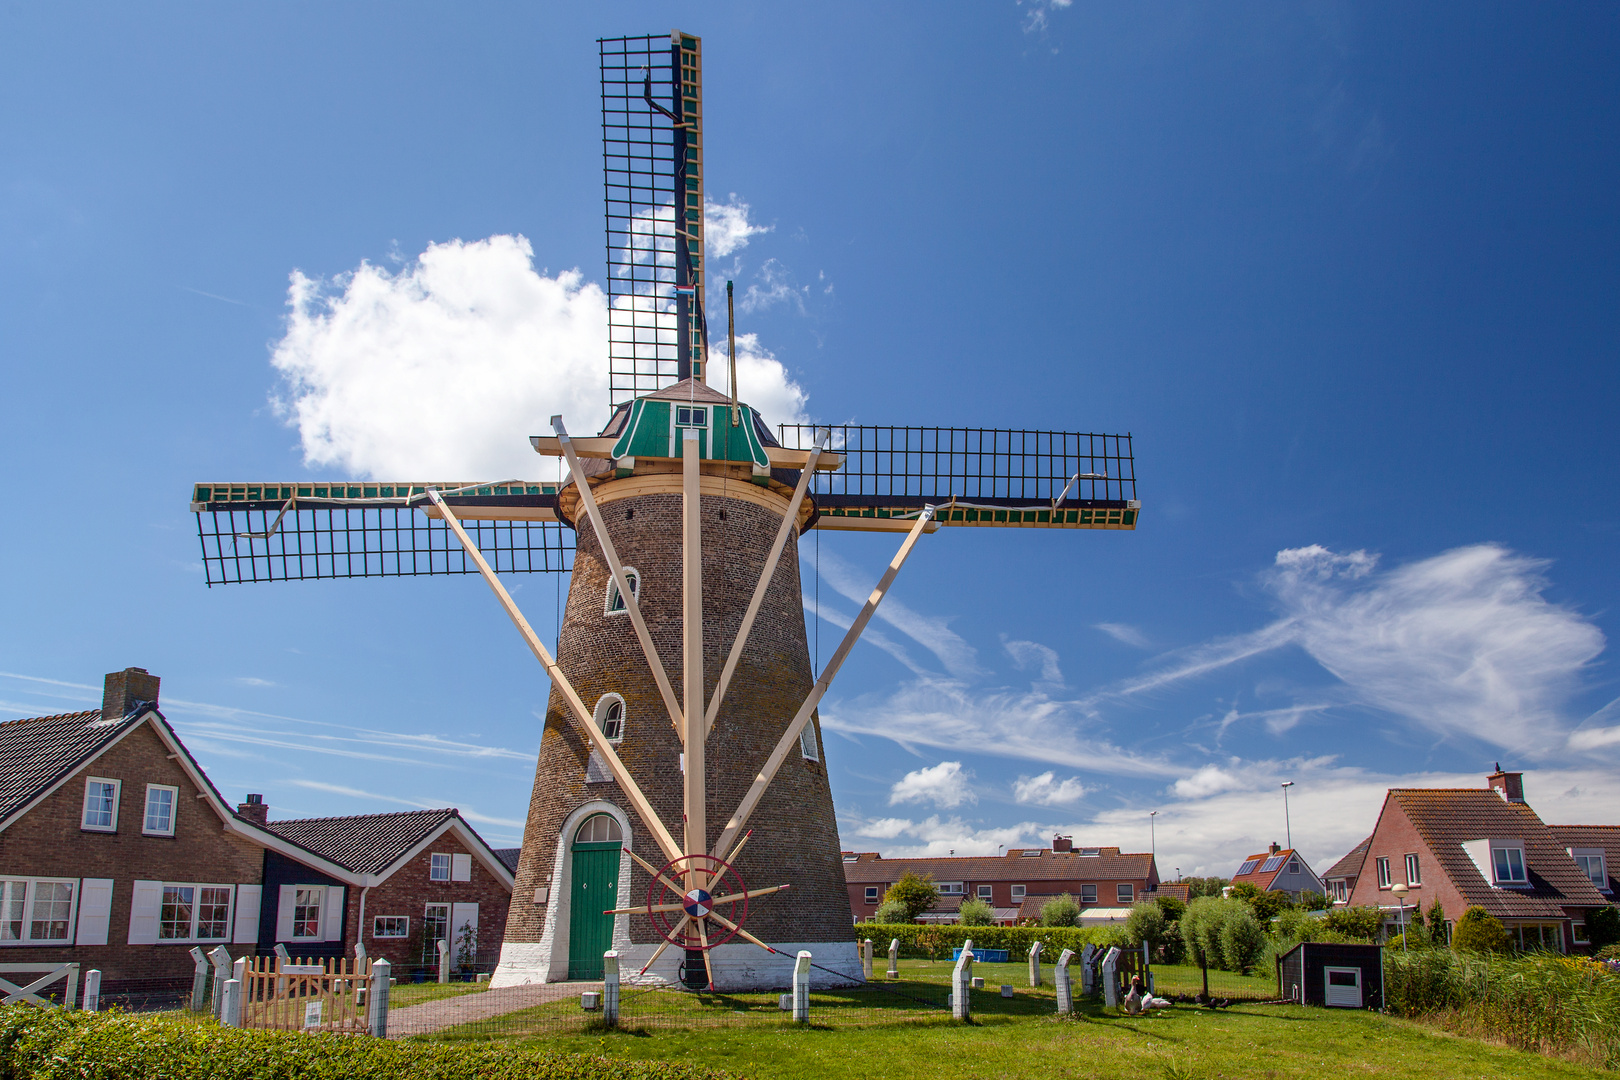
(1437, 923)
(890, 912)
(1147, 923)
(1172, 907)
(1360, 923)
(1061, 911)
(1242, 938)
(1204, 886)
(975, 912)
(1314, 901)
(1603, 927)
(914, 894)
(1479, 931)
(1200, 934)
(1266, 905)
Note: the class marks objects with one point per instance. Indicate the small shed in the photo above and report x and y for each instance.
(1342, 976)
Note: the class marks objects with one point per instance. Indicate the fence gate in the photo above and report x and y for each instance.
(306, 995)
(11, 993)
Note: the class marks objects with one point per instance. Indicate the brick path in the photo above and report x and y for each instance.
(431, 1016)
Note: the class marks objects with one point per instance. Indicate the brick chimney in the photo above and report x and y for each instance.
(1509, 785)
(1274, 847)
(122, 689)
(1062, 843)
(254, 809)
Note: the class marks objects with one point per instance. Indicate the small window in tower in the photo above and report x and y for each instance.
(687, 417)
(807, 743)
(610, 717)
(615, 602)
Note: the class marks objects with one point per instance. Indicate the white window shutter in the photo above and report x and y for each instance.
(145, 905)
(461, 868)
(95, 911)
(332, 915)
(284, 912)
(462, 915)
(246, 931)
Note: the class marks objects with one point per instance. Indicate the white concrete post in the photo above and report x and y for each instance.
(199, 980)
(801, 988)
(610, 987)
(239, 973)
(222, 972)
(961, 982)
(1035, 963)
(92, 991)
(377, 999)
(230, 1009)
(444, 959)
(1088, 973)
(894, 958)
(1110, 970)
(286, 958)
(1147, 969)
(866, 959)
(1065, 989)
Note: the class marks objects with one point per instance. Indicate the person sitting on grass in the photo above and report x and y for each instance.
(1139, 1001)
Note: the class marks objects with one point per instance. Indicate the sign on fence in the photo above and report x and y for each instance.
(305, 994)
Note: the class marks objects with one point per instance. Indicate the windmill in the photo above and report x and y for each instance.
(685, 821)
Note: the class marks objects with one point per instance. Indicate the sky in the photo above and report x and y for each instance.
(1346, 272)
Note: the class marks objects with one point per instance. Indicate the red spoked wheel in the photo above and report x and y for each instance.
(716, 889)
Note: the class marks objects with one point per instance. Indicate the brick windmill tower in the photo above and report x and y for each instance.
(686, 822)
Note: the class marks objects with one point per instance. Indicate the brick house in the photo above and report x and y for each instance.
(1596, 851)
(1279, 869)
(1341, 877)
(1477, 846)
(408, 880)
(1017, 885)
(115, 849)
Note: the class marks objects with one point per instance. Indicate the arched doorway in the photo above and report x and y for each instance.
(595, 888)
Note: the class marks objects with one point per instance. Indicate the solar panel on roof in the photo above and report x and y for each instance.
(1272, 863)
(1247, 867)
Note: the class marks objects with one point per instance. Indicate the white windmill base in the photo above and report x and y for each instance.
(738, 966)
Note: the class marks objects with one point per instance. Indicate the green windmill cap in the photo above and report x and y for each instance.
(656, 422)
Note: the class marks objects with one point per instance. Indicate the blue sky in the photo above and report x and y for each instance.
(1348, 273)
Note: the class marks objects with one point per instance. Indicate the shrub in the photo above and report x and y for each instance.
(1201, 932)
(891, 911)
(1612, 952)
(1603, 927)
(1314, 901)
(976, 912)
(1147, 923)
(1204, 886)
(55, 1044)
(1266, 905)
(914, 894)
(1062, 911)
(1479, 931)
(1356, 923)
(1241, 938)
(1172, 907)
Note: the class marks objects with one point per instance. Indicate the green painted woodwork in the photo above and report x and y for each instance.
(595, 889)
(654, 428)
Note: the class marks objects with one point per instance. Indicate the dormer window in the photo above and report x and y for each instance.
(1507, 864)
(691, 417)
(1592, 864)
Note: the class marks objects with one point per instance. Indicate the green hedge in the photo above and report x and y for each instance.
(52, 1044)
(938, 942)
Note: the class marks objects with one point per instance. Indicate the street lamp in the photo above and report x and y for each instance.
(1400, 892)
(1287, 824)
(1153, 836)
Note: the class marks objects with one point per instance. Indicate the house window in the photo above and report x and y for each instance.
(435, 925)
(1293, 868)
(307, 911)
(1578, 932)
(807, 743)
(615, 602)
(985, 893)
(689, 417)
(36, 911)
(1088, 894)
(1413, 875)
(1018, 893)
(951, 888)
(1126, 893)
(100, 805)
(871, 894)
(1507, 863)
(1341, 892)
(391, 926)
(159, 810)
(439, 867)
(194, 912)
(1591, 862)
(1384, 878)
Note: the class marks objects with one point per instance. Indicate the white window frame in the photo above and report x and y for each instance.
(427, 923)
(1578, 934)
(807, 743)
(146, 810)
(1524, 866)
(603, 704)
(1019, 892)
(196, 912)
(377, 921)
(84, 809)
(1125, 893)
(950, 888)
(436, 860)
(1583, 856)
(320, 913)
(1386, 877)
(634, 577)
(30, 898)
(1414, 869)
(871, 894)
(1083, 889)
(985, 892)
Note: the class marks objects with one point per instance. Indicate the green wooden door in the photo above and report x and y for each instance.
(595, 890)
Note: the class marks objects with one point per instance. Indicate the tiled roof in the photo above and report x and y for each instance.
(1350, 866)
(38, 752)
(509, 857)
(1260, 877)
(1606, 837)
(1447, 818)
(366, 843)
(871, 869)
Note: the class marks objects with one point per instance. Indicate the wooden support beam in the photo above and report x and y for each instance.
(697, 839)
(585, 721)
(740, 932)
(666, 944)
(790, 737)
(610, 553)
(789, 526)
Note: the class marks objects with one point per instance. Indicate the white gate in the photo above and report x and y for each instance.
(10, 992)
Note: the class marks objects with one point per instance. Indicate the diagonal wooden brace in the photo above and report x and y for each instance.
(785, 745)
(587, 499)
(585, 722)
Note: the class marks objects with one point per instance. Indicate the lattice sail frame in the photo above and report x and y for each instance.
(652, 166)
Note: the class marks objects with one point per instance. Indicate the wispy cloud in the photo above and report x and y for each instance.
(1125, 633)
(931, 632)
(417, 804)
(1032, 654)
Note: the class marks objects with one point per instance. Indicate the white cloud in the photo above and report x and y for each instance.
(442, 370)
(253, 680)
(727, 228)
(1038, 16)
(1125, 633)
(777, 287)
(1047, 790)
(1209, 780)
(931, 632)
(944, 785)
(1027, 654)
(762, 381)
(933, 837)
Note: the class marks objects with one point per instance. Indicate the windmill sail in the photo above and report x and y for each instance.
(652, 163)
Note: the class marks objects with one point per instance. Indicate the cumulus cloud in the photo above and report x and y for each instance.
(1047, 790)
(1208, 780)
(442, 370)
(727, 228)
(934, 836)
(944, 785)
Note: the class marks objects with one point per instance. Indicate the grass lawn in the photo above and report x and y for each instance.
(405, 994)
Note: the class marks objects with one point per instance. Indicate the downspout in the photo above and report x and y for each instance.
(361, 929)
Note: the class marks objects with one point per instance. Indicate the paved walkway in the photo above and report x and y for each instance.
(431, 1016)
